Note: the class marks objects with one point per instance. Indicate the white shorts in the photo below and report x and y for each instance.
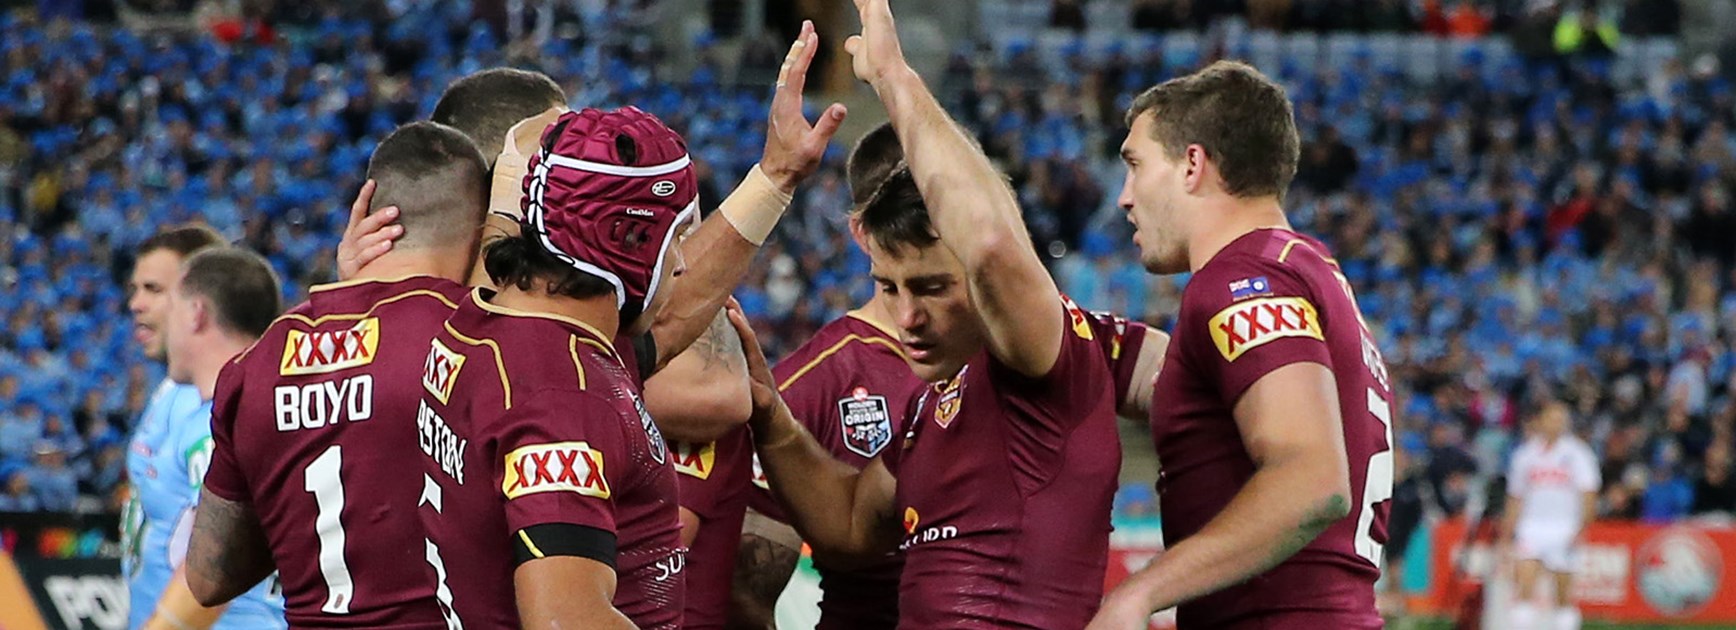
(1553, 546)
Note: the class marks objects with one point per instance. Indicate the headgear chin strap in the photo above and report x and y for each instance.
(607, 193)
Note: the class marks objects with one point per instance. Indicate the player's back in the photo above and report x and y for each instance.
(852, 389)
(319, 420)
(529, 422)
(1005, 484)
(1268, 299)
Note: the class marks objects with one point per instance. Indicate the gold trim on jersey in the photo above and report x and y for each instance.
(573, 349)
(815, 362)
(608, 345)
(361, 281)
(368, 313)
(861, 315)
(499, 360)
(530, 545)
(1285, 253)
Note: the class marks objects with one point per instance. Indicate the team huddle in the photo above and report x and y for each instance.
(531, 402)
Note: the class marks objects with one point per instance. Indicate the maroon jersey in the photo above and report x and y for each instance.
(1005, 483)
(714, 480)
(530, 422)
(850, 387)
(1269, 299)
(311, 427)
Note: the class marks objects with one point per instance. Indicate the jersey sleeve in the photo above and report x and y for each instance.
(700, 491)
(1120, 340)
(561, 455)
(1259, 315)
(224, 476)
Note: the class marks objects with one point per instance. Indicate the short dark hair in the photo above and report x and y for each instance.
(184, 240)
(486, 104)
(876, 155)
(437, 179)
(895, 215)
(240, 285)
(520, 261)
(1242, 119)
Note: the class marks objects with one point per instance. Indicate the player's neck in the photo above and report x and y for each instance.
(1228, 220)
(875, 314)
(597, 312)
(207, 364)
(439, 263)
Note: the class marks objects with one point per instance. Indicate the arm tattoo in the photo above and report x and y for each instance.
(229, 548)
(719, 346)
(762, 570)
(1321, 517)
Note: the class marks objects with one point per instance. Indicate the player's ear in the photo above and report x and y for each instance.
(199, 309)
(1194, 167)
(857, 233)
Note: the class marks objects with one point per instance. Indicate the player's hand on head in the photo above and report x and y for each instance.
(795, 146)
(875, 54)
(762, 385)
(367, 236)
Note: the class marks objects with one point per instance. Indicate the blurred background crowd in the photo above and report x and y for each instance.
(1531, 199)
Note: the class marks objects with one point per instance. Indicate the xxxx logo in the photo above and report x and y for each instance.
(1247, 325)
(440, 370)
(323, 351)
(560, 466)
(694, 460)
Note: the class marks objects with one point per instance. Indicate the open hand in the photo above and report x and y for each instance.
(794, 146)
(368, 236)
(761, 384)
(876, 54)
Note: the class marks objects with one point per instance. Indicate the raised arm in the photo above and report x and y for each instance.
(969, 203)
(839, 510)
(719, 252)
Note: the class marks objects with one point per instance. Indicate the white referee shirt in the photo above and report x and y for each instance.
(1551, 481)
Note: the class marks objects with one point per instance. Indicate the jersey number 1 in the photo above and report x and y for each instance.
(328, 493)
(1376, 482)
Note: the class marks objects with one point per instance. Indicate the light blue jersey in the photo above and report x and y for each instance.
(170, 451)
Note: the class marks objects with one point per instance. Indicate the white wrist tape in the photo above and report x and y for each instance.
(755, 206)
(513, 163)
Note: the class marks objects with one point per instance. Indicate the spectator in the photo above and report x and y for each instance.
(1586, 32)
(1466, 20)
(17, 496)
(1327, 163)
(55, 483)
(1067, 15)
(1714, 490)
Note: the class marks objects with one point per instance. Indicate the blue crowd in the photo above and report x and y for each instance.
(1514, 229)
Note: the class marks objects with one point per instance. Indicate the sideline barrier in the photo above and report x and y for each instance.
(61, 572)
(1628, 572)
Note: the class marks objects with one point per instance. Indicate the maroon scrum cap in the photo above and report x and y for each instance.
(607, 193)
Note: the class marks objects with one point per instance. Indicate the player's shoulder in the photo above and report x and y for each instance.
(845, 344)
(529, 351)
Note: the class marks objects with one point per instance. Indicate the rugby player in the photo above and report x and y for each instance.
(850, 387)
(224, 298)
(308, 474)
(1552, 490)
(167, 450)
(531, 420)
(1276, 425)
(1008, 466)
